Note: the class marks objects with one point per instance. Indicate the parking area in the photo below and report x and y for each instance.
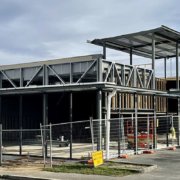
(167, 161)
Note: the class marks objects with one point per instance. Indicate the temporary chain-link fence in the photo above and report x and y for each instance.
(22, 142)
(76, 140)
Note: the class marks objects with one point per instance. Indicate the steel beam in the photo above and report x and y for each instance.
(149, 80)
(118, 77)
(88, 69)
(109, 70)
(139, 78)
(129, 76)
(56, 74)
(85, 87)
(11, 82)
(36, 73)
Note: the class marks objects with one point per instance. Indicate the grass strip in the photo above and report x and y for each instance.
(84, 169)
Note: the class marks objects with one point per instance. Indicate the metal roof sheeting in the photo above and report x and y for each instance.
(141, 42)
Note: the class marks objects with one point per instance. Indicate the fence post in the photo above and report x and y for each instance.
(178, 129)
(50, 138)
(148, 144)
(0, 144)
(20, 143)
(43, 147)
(71, 127)
(178, 123)
(92, 133)
(167, 131)
(135, 124)
(119, 136)
(155, 124)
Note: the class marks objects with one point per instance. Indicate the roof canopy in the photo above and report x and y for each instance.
(140, 43)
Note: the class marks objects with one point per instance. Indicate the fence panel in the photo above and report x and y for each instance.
(22, 142)
(78, 139)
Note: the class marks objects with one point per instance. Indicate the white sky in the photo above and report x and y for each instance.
(32, 30)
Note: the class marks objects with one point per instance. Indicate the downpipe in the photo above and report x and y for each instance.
(110, 95)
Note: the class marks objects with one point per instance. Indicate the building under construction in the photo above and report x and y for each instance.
(73, 89)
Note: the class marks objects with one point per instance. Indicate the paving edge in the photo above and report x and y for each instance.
(145, 169)
(148, 168)
(18, 177)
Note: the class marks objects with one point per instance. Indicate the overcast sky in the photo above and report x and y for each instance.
(32, 30)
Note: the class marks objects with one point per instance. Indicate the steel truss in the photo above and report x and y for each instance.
(74, 74)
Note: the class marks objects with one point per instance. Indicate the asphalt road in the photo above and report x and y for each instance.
(168, 166)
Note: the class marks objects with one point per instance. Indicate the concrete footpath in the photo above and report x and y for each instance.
(168, 167)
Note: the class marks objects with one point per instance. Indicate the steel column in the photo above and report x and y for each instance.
(71, 73)
(0, 109)
(1, 145)
(21, 77)
(45, 75)
(153, 62)
(45, 120)
(177, 67)
(0, 130)
(104, 51)
(99, 70)
(45, 109)
(99, 117)
(71, 119)
(177, 87)
(154, 124)
(110, 95)
(165, 68)
(119, 127)
(131, 53)
(178, 133)
(0, 80)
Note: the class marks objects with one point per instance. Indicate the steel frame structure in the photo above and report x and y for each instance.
(95, 73)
